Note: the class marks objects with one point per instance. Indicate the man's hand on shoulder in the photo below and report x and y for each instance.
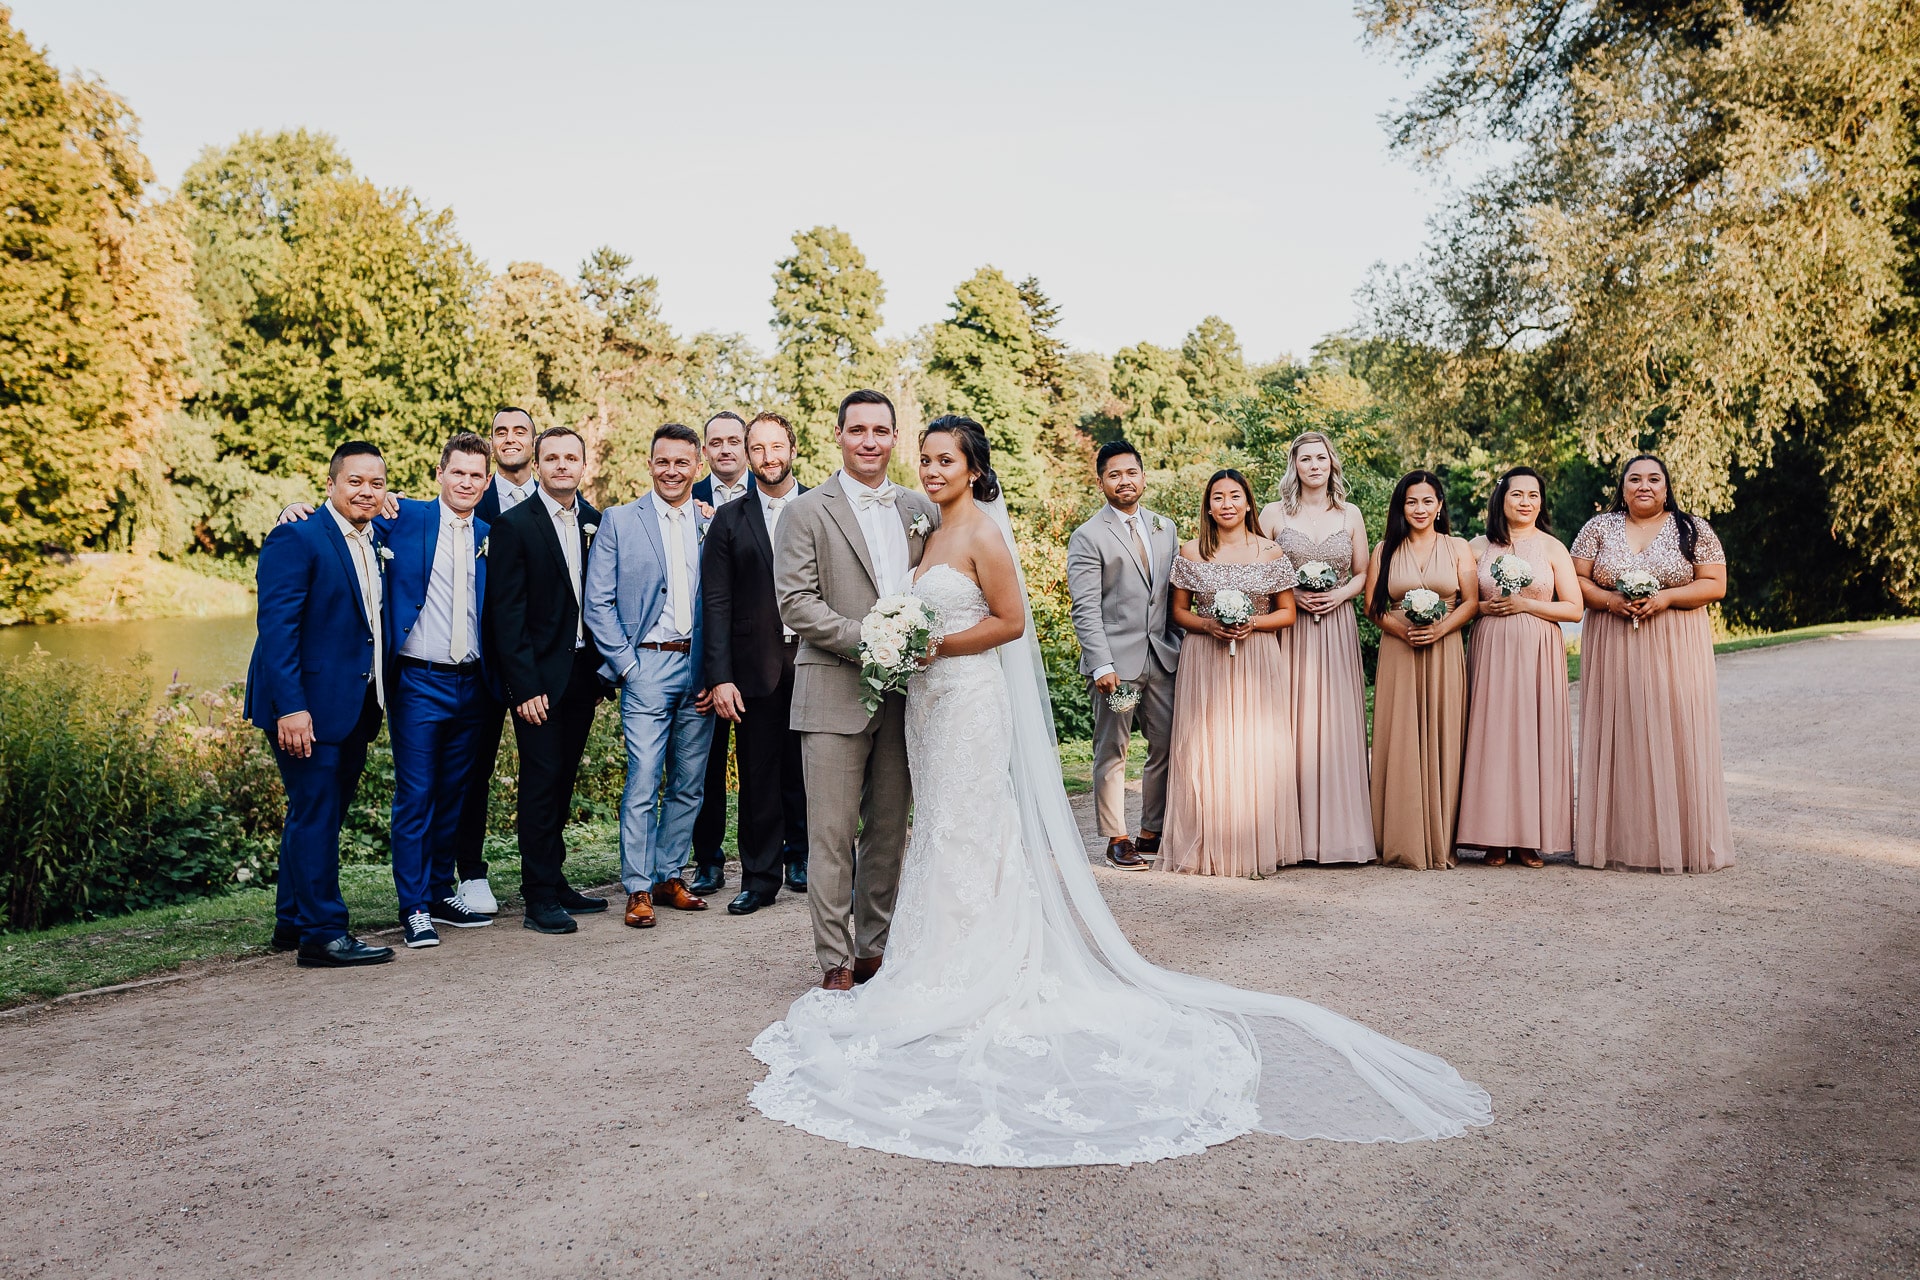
(295, 511)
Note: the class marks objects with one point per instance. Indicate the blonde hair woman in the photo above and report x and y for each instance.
(1313, 522)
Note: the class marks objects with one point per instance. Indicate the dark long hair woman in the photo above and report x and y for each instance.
(1652, 788)
(1420, 694)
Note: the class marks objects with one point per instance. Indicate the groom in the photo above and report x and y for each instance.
(843, 545)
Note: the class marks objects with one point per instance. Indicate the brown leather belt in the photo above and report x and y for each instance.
(670, 646)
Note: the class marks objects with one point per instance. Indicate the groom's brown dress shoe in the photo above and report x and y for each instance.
(864, 967)
(837, 979)
(673, 893)
(639, 911)
(1121, 855)
(1148, 844)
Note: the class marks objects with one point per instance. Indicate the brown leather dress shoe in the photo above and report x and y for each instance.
(640, 911)
(837, 979)
(674, 893)
(1147, 845)
(1120, 854)
(865, 967)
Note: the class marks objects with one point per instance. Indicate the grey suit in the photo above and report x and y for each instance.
(1123, 617)
(855, 764)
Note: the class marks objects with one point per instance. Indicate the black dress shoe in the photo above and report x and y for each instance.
(343, 952)
(571, 899)
(797, 877)
(285, 939)
(748, 902)
(708, 881)
(549, 917)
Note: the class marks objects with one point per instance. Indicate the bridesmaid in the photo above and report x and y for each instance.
(1653, 796)
(1231, 808)
(1314, 521)
(1420, 695)
(1516, 789)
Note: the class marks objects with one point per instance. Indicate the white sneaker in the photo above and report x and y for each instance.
(477, 896)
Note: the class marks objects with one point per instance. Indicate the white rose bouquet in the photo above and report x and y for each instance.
(894, 636)
(1423, 607)
(1232, 608)
(1510, 573)
(1318, 575)
(1636, 584)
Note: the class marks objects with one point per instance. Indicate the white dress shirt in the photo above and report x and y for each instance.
(886, 536)
(725, 493)
(677, 528)
(511, 494)
(770, 509)
(432, 638)
(566, 523)
(1129, 525)
(366, 564)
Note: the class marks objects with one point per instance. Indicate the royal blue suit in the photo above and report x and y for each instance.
(314, 653)
(437, 715)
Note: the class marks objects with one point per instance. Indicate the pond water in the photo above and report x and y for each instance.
(204, 652)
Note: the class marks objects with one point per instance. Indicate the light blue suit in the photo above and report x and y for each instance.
(667, 738)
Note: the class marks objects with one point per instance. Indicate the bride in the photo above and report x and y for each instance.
(1013, 1024)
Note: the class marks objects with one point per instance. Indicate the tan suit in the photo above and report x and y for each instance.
(855, 764)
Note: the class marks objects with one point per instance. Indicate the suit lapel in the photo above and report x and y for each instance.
(649, 520)
(345, 553)
(429, 545)
(756, 522)
(1118, 528)
(841, 508)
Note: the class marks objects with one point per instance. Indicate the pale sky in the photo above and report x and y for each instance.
(1150, 163)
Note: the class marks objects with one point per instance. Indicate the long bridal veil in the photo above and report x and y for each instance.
(1320, 1075)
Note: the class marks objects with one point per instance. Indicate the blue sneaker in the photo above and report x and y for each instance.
(420, 931)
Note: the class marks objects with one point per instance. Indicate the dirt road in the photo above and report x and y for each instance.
(1692, 1077)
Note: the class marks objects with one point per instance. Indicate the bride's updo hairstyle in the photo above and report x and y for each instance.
(972, 438)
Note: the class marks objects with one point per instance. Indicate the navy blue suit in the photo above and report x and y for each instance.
(437, 716)
(315, 653)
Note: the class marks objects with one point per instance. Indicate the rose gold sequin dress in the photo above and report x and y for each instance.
(1653, 794)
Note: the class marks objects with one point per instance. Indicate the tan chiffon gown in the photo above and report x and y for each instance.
(1516, 785)
(1231, 806)
(1653, 794)
(1419, 723)
(1329, 714)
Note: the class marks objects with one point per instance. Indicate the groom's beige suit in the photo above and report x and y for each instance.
(855, 763)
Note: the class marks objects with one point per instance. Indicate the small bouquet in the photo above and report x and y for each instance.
(1423, 607)
(894, 636)
(1124, 698)
(1318, 575)
(1636, 584)
(1232, 608)
(1510, 573)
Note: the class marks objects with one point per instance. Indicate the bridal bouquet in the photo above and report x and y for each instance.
(1423, 607)
(1232, 608)
(1318, 575)
(894, 636)
(1510, 573)
(1636, 584)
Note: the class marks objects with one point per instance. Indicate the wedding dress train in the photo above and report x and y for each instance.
(1014, 1025)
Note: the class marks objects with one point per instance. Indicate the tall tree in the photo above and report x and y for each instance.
(984, 362)
(1154, 408)
(826, 321)
(1212, 364)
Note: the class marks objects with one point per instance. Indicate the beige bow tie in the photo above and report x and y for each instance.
(868, 499)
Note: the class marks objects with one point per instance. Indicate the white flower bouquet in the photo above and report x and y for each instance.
(1423, 607)
(1636, 584)
(1318, 575)
(1510, 573)
(1232, 608)
(894, 636)
(1124, 698)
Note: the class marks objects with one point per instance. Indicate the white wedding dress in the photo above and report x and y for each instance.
(1012, 1024)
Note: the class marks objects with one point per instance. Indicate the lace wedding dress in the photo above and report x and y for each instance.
(1012, 1024)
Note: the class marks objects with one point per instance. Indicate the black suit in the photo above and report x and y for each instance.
(531, 627)
(744, 646)
(710, 825)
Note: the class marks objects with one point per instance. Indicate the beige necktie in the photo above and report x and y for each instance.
(1140, 547)
(677, 604)
(570, 547)
(462, 552)
(367, 565)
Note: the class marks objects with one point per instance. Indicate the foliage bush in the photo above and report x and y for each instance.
(113, 804)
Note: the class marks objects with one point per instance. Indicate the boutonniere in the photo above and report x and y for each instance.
(480, 552)
(1160, 524)
(920, 526)
(589, 530)
(385, 552)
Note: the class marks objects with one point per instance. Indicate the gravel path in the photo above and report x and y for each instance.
(1695, 1077)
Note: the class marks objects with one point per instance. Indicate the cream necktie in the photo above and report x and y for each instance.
(681, 613)
(462, 552)
(570, 547)
(1140, 547)
(367, 568)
